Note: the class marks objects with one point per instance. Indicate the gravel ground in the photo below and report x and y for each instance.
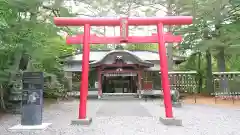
(131, 117)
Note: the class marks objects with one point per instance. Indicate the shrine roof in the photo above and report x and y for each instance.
(100, 54)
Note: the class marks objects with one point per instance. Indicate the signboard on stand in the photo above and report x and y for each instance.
(32, 102)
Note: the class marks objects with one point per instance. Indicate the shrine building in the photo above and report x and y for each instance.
(118, 71)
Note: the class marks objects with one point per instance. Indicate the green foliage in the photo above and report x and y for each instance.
(53, 87)
(29, 42)
(215, 29)
(98, 47)
(147, 47)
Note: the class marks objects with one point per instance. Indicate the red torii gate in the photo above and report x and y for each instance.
(87, 39)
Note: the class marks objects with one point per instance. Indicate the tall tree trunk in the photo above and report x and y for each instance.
(16, 64)
(33, 17)
(222, 68)
(199, 56)
(200, 83)
(2, 93)
(221, 60)
(170, 45)
(209, 79)
(220, 56)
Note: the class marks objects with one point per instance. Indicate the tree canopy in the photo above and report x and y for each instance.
(29, 41)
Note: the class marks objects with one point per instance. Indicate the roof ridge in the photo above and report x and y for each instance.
(106, 50)
(109, 51)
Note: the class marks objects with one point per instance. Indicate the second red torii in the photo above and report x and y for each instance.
(94, 39)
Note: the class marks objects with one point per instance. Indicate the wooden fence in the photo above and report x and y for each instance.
(226, 86)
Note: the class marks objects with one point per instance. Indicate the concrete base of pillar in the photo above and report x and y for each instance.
(86, 121)
(171, 121)
(20, 127)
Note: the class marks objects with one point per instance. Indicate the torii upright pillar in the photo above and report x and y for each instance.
(124, 38)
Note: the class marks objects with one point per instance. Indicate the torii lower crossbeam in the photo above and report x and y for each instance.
(94, 39)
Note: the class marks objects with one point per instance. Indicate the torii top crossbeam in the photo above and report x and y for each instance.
(112, 21)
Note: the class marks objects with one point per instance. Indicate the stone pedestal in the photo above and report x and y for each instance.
(20, 127)
(170, 121)
(86, 121)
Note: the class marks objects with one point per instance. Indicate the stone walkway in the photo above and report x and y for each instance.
(132, 117)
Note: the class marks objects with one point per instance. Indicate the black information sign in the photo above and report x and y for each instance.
(33, 80)
(25, 98)
(32, 97)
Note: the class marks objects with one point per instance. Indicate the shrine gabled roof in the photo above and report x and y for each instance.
(100, 54)
(126, 53)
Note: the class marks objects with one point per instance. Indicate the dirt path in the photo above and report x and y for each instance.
(211, 101)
